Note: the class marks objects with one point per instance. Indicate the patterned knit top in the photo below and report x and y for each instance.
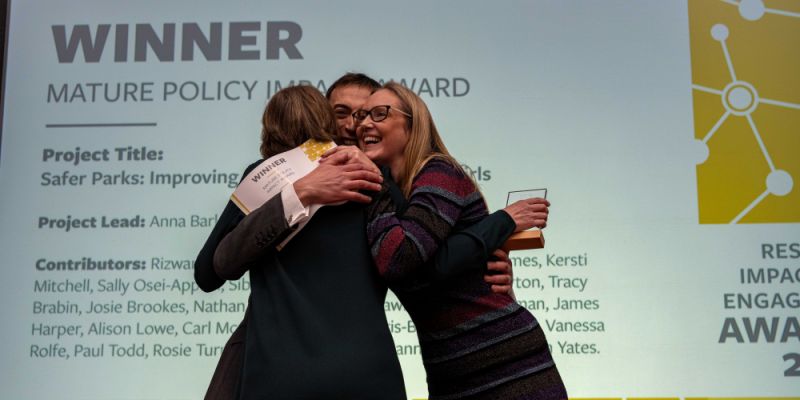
(471, 338)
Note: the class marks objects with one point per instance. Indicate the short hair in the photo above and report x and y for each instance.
(353, 79)
(294, 115)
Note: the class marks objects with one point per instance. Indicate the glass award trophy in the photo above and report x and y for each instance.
(532, 238)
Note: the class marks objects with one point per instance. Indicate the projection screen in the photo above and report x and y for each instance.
(666, 134)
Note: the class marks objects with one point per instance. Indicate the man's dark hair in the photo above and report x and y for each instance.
(354, 79)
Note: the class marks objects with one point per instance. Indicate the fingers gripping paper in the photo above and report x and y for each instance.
(271, 176)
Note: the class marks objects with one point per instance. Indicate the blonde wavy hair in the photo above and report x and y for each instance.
(424, 142)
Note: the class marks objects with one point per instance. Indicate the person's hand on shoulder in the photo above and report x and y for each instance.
(348, 155)
(340, 177)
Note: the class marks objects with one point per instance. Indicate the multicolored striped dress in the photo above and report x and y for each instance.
(475, 344)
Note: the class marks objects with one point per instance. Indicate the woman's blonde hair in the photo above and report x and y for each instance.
(424, 142)
(294, 115)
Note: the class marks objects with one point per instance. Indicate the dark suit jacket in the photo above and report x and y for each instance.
(334, 238)
(225, 381)
(315, 326)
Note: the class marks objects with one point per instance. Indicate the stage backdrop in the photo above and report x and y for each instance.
(666, 133)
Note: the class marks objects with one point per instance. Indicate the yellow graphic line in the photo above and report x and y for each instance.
(760, 142)
(707, 89)
(728, 60)
(780, 103)
(653, 398)
(750, 207)
(742, 398)
(595, 398)
(716, 126)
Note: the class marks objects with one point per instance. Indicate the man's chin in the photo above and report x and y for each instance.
(348, 141)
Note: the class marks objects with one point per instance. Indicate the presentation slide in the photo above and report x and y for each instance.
(667, 135)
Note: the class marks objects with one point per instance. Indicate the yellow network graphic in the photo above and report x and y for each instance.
(746, 94)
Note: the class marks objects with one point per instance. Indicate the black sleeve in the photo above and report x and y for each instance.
(470, 249)
(465, 250)
(204, 274)
(251, 239)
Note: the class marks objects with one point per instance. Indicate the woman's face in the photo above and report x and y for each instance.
(384, 141)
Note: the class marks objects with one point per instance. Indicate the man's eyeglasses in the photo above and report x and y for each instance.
(377, 113)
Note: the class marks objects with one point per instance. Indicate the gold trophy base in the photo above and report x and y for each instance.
(525, 240)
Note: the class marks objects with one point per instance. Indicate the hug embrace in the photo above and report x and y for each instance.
(402, 214)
